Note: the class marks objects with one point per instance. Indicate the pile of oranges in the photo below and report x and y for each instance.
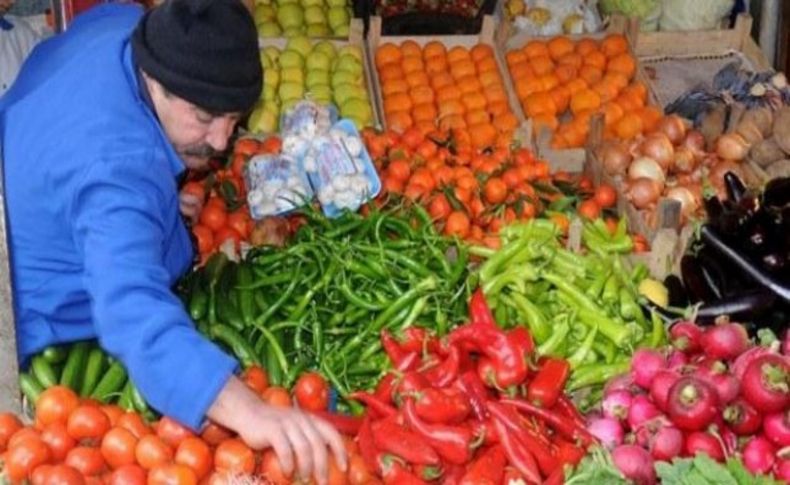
(582, 78)
(434, 87)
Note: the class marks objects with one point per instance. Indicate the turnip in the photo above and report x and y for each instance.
(635, 463)
(667, 443)
(608, 430)
(686, 337)
(766, 383)
(645, 364)
(759, 455)
(776, 428)
(642, 410)
(701, 442)
(742, 418)
(616, 404)
(725, 341)
(692, 404)
(659, 388)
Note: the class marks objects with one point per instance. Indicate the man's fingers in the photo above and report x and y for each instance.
(300, 445)
(282, 447)
(320, 458)
(335, 441)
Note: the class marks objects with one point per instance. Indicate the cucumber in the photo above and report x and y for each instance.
(43, 371)
(125, 402)
(30, 387)
(55, 354)
(93, 371)
(110, 384)
(75, 366)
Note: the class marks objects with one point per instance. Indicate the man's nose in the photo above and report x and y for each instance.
(219, 133)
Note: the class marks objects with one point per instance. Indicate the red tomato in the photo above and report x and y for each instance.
(63, 475)
(58, 439)
(312, 392)
(55, 405)
(213, 217)
(118, 447)
(205, 238)
(172, 432)
(86, 460)
(152, 451)
(22, 458)
(273, 144)
(276, 396)
(113, 412)
(256, 379)
(196, 454)
(134, 423)
(87, 423)
(495, 190)
(247, 146)
(605, 196)
(241, 222)
(172, 475)
(234, 456)
(589, 209)
(195, 188)
(128, 475)
(9, 424)
(227, 233)
(457, 224)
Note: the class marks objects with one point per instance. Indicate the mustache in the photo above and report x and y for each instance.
(202, 151)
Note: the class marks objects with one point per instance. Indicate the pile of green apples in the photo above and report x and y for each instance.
(319, 71)
(313, 18)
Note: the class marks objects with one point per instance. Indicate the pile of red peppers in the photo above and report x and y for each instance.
(475, 407)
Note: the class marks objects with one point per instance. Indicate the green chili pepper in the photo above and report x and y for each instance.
(531, 315)
(595, 374)
(233, 340)
(553, 343)
(580, 355)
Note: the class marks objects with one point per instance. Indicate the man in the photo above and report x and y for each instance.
(17, 39)
(94, 134)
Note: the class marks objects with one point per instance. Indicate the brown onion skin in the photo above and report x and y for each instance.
(673, 127)
(695, 142)
(685, 160)
(658, 147)
(644, 193)
(615, 158)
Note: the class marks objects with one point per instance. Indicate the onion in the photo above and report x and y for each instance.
(646, 167)
(716, 176)
(695, 142)
(685, 161)
(658, 147)
(615, 158)
(688, 203)
(644, 192)
(673, 127)
(732, 146)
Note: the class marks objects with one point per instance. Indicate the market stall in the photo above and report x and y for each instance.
(489, 258)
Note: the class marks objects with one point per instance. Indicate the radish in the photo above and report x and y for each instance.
(608, 430)
(758, 455)
(645, 364)
(725, 341)
(616, 404)
(701, 442)
(686, 337)
(738, 367)
(635, 463)
(642, 410)
(782, 469)
(766, 383)
(622, 382)
(776, 428)
(715, 373)
(659, 388)
(666, 444)
(677, 359)
(692, 404)
(742, 418)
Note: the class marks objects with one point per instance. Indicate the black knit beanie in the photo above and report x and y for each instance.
(204, 51)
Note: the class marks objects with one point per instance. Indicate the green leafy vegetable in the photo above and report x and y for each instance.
(702, 470)
(596, 467)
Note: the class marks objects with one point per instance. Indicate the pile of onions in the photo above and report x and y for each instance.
(732, 146)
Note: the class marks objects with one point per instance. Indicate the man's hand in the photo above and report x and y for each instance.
(190, 206)
(300, 440)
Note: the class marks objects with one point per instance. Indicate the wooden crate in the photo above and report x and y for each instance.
(486, 36)
(572, 159)
(356, 38)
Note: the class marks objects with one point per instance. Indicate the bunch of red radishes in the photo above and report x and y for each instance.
(712, 392)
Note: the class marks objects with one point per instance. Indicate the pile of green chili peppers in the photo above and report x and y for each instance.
(583, 307)
(321, 302)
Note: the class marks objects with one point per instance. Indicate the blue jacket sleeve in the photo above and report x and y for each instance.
(118, 217)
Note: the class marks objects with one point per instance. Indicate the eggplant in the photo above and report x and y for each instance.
(713, 208)
(696, 286)
(677, 294)
(711, 237)
(735, 188)
(743, 308)
(723, 281)
(777, 193)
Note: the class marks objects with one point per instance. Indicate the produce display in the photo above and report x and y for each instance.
(544, 18)
(465, 8)
(314, 18)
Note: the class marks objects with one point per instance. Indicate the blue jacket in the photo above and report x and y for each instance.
(97, 240)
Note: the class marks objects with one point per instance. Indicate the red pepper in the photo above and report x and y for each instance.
(471, 385)
(486, 430)
(508, 360)
(517, 453)
(559, 423)
(409, 363)
(447, 406)
(566, 407)
(347, 425)
(367, 447)
(376, 407)
(556, 478)
(395, 472)
(548, 384)
(521, 337)
(479, 311)
(486, 372)
(391, 437)
(513, 476)
(509, 418)
(428, 472)
(385, 388)
(453, 443)
(487, 469)
(392, 348)
(444, 373)
(453, 475)
(568, 453)
(417, 339)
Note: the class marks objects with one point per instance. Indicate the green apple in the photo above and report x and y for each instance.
(336, 3)
(271, 77)
(272, 53)
(351, 50)
(337, 16)
(269, 93)
(266, 63)
(341, 31)
(318, 30)
(300, 44)
(316, 77)
(291, 58)
(289, 91)
(264, 13)
(322, 91)
(292, 32)
(292, 75)
(348, 64)
(344, 92)
(269, 29)
(312, 3)
(358, 110)
(345, 77)
(290, 16)
(314, 15)
(326, 47)
(289, 103)
(280, 3)
(263, 120)
(318, 60)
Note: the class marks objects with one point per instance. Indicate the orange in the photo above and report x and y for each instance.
(473, 101)
(410, 48)
(549, 81)
(397, 102)
(487, 64)
(387, 53)
(541, 65)
(417, 78)
(612, 112)
(469, 84)
(538, 104)
(576, 85)
(451, 107)
(481, 51)
(606, 90)
(474, 117)
(483, 135)
(425, 127)
(561, 96)
(421, 94)
(391, 71)
(452, 122)
(522, 70)
(629, 126)
(424, 112)
(441, 80)
(394, 86)
(638, 90)
(584, 100)
(434, 48)
(614, 44)
(527, 87)
(458, 53)
(571, 59)
(565, 72)
(618, 80)
(536, 48)
(559, 46)
(590, 74)
(436, 64)
(622, 63)
(650, 117)
(412, 64)
(595, 59)
(497, 108)
(448, 93)
(399, 121)
(585, 46)
(515, 57)
(489, 78)
(495, 93)
(461, 69)
(506, 122)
